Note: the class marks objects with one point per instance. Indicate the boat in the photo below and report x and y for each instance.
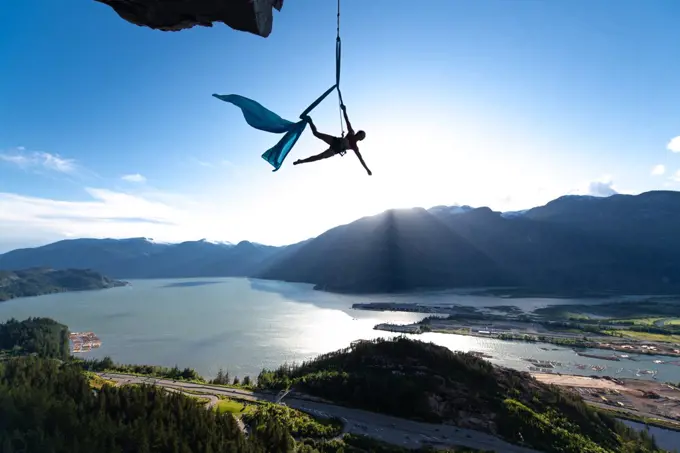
(597, 356)
(480, 354)
(540, 370)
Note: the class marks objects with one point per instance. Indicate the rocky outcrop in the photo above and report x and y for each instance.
(252, 16)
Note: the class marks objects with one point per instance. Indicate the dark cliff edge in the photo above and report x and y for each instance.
(252, 16)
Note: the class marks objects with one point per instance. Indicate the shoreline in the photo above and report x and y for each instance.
(419, 328)
(114, 284)
(649, 402)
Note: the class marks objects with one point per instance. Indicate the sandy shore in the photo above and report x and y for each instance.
(566, 380)
(647, 398)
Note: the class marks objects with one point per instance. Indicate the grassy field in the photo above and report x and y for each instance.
(96, 382)
(645, 336)
(639, 321)
(453, 330)
(233, 407)
(653, 308)
(575, 316)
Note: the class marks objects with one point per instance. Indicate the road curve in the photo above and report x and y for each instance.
(406, 433)
(212, 399)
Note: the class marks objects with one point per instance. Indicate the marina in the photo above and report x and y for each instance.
(83, 341)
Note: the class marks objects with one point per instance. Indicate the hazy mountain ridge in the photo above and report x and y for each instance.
(143, 258)
(577, 243)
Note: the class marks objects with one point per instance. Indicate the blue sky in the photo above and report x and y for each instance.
(109, 130)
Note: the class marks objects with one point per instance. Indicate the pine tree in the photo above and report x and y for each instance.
(219, 378)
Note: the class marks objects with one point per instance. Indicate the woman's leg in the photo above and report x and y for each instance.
(329, 139)
(324, 155)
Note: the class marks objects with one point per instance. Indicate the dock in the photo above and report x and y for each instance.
(83, 341)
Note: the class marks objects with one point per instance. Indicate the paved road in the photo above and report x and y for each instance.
(207, 388)
(394, 430)
(633, 412)
(212, 399)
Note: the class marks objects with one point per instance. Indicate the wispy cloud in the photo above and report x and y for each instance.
(225, 163)
(202, 163)
(140, 211)
(676, 176)
(135, 177)
(658, 170)
(105, 219)
(106, 214)
(674, 144)
(39, 160)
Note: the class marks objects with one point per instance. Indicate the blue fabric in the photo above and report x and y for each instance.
(261, 118)
(278, 152)
(313, 105)
(256, 115)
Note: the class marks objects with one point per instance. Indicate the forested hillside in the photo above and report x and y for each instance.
(53, 406)
(39, 281)
(426, 382)
(42, 336)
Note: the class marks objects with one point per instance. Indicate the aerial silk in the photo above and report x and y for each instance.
(259, 117)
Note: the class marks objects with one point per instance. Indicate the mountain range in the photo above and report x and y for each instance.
(574, 244)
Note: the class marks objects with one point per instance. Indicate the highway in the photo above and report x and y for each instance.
(633, 412)
(406, 433)
(212, 399)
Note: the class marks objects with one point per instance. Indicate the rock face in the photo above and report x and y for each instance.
(252, 16)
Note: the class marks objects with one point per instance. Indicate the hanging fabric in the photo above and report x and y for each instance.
(338, 61)
(261, 118)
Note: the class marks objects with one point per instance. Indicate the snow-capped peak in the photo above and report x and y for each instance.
(511, 214)
(154, 241)
(450, 210)
(216, 242)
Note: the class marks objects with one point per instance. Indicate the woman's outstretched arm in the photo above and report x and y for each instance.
(361, 159)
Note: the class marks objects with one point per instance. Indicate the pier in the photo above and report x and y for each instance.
(83, 341)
